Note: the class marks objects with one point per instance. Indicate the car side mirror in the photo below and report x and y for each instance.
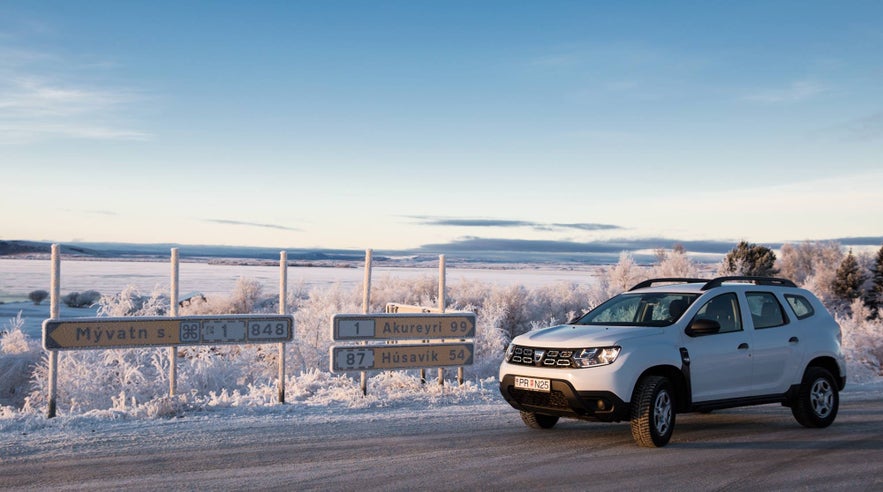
(702, 326)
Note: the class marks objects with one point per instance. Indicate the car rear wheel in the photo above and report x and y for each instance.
(653, 412)
(817, 399)
(538, 420)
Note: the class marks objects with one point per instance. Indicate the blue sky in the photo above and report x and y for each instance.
(392, 125)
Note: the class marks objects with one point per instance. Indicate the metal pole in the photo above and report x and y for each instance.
(441, 306)
(54, 313)
(173, 311)
(283, 294)
(366, 301)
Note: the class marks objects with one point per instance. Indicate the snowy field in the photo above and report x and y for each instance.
(20, 277)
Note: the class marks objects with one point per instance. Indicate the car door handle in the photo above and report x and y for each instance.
(743, 346)
(793, 340)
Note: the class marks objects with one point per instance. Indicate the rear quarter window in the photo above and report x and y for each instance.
(800, 305)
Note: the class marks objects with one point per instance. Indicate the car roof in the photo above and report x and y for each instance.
(698, 285)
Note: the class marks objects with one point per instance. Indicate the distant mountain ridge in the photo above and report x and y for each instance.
(150, 251)
(471, 251)
(19, 248)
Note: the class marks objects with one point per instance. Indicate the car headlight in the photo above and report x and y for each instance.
(591, 357)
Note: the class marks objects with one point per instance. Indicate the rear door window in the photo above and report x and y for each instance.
(766, 312)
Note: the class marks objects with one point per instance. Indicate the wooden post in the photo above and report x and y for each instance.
(441, 306)
(173, 311)
(283, 294)
(54, 313)
(366, 301)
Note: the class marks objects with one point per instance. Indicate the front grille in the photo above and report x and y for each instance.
(540, 357)
(553, 399)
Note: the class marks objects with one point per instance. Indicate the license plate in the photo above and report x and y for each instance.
(533, 384)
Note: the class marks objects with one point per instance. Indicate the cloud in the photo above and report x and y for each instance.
(557, 60)
(250, 224)
(479, 247)
(588, 227)
(798, 91)
(470, 244)
(35, 107)
(862, 129)
(465, 222)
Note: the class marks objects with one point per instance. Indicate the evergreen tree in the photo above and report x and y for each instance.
(749, 259)
(848, 281)
(874, 296)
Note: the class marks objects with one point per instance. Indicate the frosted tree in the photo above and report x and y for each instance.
(848, 281)
(874, 296)
(621, 277)
(674, 263)
(802, 261)
(749, 259)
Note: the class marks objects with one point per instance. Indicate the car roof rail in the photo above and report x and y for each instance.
(781, 282)
(677, 280)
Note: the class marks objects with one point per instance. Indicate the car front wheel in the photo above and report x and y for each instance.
(653, 412)
(538, 420)
(817, 399)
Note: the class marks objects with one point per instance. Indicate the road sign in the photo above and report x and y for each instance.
(104, 333)
(411, 326)
(372, 357)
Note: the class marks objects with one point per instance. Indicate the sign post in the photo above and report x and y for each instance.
(173, 311)
(441, 305)
(366, 301)
(54, 312)
(283, 293)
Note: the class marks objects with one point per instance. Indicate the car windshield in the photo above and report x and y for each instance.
(646, 309)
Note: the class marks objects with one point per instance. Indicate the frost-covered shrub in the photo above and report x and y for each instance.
(130, 302)
(862, 344)
(81, 299)
(799, 262)
(619, 278)
(93, 379)
(38, 296)
(247, 297)
(18, 357)
(421, 291)
(674, 264)
(312, 318)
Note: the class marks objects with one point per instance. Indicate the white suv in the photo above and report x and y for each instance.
(689, 345)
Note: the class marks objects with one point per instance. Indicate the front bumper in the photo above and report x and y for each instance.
(564, 401)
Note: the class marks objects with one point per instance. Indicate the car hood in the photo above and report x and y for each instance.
(574, 336)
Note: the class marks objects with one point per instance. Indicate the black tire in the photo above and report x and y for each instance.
(653, 412)
(817, 399)
(538, 420)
